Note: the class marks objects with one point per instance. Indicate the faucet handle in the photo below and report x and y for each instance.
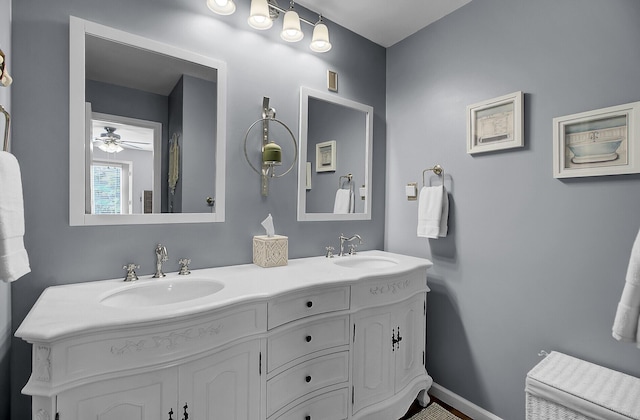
(184, 266)
(330, 250)
(131, 272)
(352, 249)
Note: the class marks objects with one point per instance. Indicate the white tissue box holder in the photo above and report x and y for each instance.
(270, 251)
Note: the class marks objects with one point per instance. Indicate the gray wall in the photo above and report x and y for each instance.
(531, 262)
(259, 64)
(5, 289)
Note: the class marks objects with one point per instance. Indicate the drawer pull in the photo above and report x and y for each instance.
(309, 304)
(308, 338)
(307, 417)
(308, 379)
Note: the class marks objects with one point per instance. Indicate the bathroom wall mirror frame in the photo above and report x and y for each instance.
(202, 161)
(324, 117)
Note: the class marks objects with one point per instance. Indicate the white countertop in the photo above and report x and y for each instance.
(75, 308)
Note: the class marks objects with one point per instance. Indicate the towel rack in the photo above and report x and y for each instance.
(349, 179)
(437, 169)
(5, 144)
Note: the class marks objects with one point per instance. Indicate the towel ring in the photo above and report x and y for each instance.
(438, 170)
(349, 178)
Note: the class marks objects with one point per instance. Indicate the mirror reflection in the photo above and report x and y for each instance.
(150, 141)
(335, 164)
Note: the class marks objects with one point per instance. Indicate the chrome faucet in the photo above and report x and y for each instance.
(161, 256)
(344, 239)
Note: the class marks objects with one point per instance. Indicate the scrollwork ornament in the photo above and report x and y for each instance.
(42, 415)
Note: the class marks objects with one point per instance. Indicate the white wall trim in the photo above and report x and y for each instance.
(461, 404)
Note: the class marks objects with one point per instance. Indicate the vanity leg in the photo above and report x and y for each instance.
(423, 398)
(43, 408)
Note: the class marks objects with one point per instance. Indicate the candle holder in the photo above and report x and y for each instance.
(271, 152)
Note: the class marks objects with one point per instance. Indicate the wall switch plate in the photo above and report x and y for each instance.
(332, 81)
(411, 191)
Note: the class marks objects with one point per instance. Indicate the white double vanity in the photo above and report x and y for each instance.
(321, 338)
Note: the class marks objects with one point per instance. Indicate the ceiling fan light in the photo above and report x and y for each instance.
(291, 31)
(259, 16)
(221, 7)
(320, 40)
(110, 147)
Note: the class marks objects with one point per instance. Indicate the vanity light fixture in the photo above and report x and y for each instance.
(320, 40)
(264, 12)
(222, 7)
(291, 31)
(259, 17)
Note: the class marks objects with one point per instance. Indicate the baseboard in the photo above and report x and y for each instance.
(461, 404)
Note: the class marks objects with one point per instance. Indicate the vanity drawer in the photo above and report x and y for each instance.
(329, 406)
(295, 306)
(306, 377)
(292, 343)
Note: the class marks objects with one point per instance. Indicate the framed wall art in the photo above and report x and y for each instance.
(326, 156)
(495, 124)
(599, 142)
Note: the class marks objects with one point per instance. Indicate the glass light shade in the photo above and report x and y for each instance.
(291, 31)
(320, 41)
(259, 16)
(221, 7)
(110, 147)
(272, 154)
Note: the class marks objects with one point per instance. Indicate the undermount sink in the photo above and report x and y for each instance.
(162, 292)
(366, 261)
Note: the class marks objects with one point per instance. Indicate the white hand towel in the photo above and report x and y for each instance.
(433, 212)
(444, 218)
(626, 326)
(14, 261)
(342, 203)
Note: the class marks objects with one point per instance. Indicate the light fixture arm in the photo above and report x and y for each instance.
(279, 9)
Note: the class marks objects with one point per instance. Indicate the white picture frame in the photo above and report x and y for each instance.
(598, 142)
(495, 124)
(326, 156)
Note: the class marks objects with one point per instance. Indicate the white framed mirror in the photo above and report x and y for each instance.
(334, 172)
(147, 130)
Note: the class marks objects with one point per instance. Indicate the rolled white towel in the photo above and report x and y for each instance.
(342, 203)
(626, 326)
(14, 261)
(433, 212)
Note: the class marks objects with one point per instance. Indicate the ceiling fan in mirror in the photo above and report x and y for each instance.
(111, 142)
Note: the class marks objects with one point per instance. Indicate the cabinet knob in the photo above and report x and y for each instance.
(307, 417)
(308, 379)
(309, 304)
(308, 338)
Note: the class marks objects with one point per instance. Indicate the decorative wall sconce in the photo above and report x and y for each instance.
(271, 152)
(264, 12)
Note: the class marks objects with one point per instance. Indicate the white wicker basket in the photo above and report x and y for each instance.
(541, 409)
(566, 388)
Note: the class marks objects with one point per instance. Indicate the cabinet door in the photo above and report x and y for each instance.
(410, 319)
(148, 396)
(223, 386)
(372, 357)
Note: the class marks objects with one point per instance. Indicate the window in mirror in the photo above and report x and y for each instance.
(335, 142)
(123, 85)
